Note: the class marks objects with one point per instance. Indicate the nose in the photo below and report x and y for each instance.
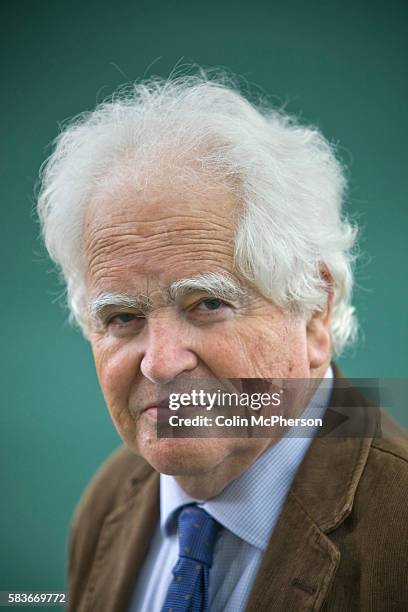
(168, 351)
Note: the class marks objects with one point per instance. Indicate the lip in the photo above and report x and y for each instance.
(157, 410)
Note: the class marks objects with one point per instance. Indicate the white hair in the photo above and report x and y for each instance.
(203, 130)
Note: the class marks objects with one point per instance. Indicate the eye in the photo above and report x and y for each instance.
(126, 322)
(209, 310)
(211, 304)
(124, 317)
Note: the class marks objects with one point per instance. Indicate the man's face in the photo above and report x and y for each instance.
(140, 245)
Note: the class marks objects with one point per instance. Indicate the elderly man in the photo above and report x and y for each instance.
(201, 238)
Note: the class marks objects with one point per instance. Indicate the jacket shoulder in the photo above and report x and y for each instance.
(373, 539)
(394, 440)
(384, 482)
(109, 490)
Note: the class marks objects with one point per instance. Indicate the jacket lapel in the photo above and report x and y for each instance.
(123, 544)
(298, 566)
(301, 561)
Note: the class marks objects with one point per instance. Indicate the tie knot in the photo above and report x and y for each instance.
(197, 534)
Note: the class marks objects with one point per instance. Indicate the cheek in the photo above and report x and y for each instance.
(117, 370)
(219, 350)
(256, 349)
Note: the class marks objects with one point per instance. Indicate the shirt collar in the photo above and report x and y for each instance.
(250, 505)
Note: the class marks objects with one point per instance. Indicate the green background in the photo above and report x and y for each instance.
(340, 65)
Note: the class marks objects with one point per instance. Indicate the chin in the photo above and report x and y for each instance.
(182, 456)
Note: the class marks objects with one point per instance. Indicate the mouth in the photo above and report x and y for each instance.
(157, 410)
(160, 411)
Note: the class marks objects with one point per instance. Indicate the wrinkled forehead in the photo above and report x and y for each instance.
(133, 236)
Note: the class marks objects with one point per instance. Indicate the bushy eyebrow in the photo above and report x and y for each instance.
(215, 284)
(122, 301)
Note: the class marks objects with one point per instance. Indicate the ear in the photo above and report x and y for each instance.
(318, 326)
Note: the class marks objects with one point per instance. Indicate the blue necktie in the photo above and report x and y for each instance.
(188, 591)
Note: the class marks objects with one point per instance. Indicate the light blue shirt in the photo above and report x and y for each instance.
(248, 509)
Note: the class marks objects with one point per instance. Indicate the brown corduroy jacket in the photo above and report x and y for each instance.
(340, 544)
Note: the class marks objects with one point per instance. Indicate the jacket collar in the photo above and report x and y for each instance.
(326, 482)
